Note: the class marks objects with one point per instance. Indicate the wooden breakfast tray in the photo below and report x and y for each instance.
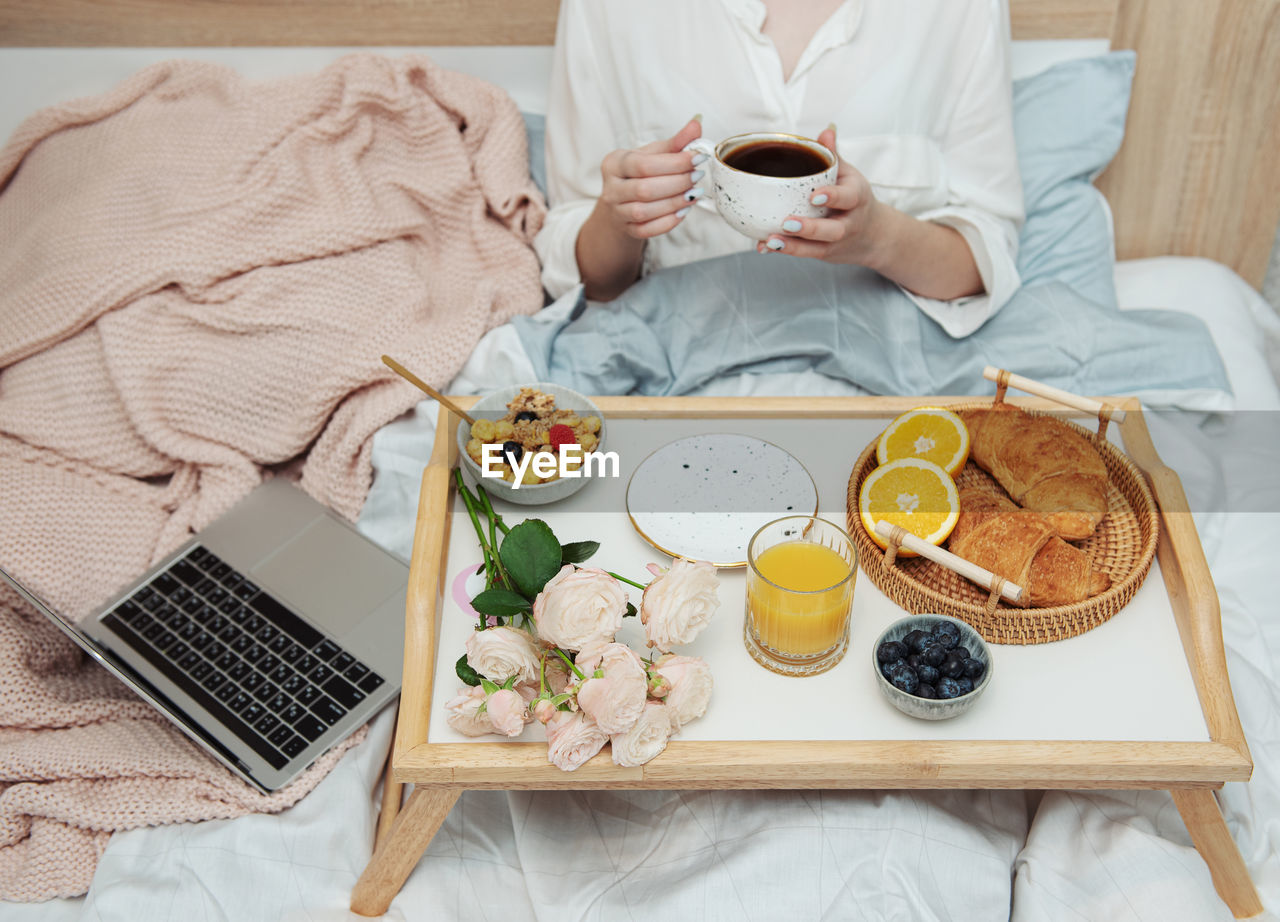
(907, 755)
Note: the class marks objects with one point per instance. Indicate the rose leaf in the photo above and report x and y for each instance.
(500, 602)
(578, 551)
(468, 675)
(531, 555)
(630, 612)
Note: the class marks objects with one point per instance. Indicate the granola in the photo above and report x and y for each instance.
(533, 424)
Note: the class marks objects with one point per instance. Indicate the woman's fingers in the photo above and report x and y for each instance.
(793, 246)
(637, 214)
(826, 230)
(634, 164)
(653, 188)
(840, 197)
(649, 190)
(691, 131)
(659, 225)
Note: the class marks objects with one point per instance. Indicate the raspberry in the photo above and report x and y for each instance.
(560, 434)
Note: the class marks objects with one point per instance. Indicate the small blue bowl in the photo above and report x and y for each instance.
(932, 708)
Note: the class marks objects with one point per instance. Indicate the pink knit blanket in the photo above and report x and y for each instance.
(198, 278)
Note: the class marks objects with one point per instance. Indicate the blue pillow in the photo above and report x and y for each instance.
(1068, 122)
(535, 132)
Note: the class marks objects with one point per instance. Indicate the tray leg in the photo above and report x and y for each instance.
(392, 798)
(400, 850)
(1199, 809)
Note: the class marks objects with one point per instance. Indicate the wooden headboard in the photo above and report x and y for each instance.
(1198, 175)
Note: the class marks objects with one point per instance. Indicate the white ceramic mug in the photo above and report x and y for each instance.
(756, 204)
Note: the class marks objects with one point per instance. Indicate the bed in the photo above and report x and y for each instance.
(1195, 201)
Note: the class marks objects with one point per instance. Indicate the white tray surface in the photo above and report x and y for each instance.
(1127, 679)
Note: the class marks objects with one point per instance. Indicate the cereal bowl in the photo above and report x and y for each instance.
(937, 708)
(494, 406)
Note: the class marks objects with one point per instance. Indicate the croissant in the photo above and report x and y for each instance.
(1044, 464)
(1020, 545)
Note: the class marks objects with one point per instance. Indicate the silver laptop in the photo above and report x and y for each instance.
(267, 638)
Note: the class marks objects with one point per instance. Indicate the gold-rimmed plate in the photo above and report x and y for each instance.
(702, 497)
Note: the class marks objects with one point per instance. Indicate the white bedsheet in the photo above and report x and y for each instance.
(738, 855)
(757, 855)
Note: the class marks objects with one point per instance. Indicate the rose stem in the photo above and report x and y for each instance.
(493, 516)
(629, 582)
(493, 537)
(469, 502)
(569, 663)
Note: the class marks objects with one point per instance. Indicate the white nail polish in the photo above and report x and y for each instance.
(682, 212)
(699, 158)
(774, 243)
(694, 194)
(791, 226)
(819, 199)
(696, 175)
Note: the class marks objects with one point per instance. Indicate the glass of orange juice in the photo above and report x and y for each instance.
(800, 575)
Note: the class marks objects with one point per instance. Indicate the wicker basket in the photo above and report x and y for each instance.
(1123, 547)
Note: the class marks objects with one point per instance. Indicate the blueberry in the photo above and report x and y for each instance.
(513, 451)
(948, 688)
(925, 690)
(904, 678)
(952, 666)
(520, 417)
(966, 685)
(891, 650)
(934, 654)
(928, 674)
(947, 634)
(964, 652)
(915, 641)
(887, 668)
(974, 668)
(915, 661)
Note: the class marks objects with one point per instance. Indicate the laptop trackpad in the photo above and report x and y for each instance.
(330, 575)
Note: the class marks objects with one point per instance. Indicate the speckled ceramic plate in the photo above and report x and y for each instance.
(704, 496)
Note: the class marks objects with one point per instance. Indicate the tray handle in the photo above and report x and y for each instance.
(1104, 411)
(897, 536)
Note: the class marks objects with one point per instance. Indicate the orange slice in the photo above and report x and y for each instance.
(928, 434)
(918, 495)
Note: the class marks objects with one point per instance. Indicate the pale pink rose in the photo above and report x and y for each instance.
(659, 685)
(647, 737)
(691, 684)
(579, 606)
(464, 713)
(544, 710)
(679, 603)
(573, 738)
(588, 658)
(498, 653)
(507, 712)
(616, 699)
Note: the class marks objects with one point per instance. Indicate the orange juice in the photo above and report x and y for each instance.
(801, 607)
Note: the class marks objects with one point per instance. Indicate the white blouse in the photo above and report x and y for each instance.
(919, 91)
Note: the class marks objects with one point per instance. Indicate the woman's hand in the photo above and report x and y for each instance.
(929, 259)
(848, 233)
(645, 192)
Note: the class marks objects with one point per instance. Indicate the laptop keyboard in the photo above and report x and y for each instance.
(274, 680)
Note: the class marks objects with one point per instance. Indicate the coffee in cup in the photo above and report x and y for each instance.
(760, 179)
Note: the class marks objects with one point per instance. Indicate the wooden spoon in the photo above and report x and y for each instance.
(425, 387)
